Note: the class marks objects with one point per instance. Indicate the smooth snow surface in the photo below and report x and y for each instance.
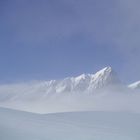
(16, 125)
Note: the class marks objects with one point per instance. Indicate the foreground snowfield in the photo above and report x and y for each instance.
(18, 125)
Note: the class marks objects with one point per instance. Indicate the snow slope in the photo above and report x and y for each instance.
(135, 85)
(17, 125)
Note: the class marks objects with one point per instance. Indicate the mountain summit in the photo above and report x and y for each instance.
(89, 82)
(103, 78)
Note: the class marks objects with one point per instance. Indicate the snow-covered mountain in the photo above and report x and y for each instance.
(43, 89)
(135, 85)
(85, 82)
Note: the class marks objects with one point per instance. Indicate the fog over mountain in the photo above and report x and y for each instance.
(100, 91)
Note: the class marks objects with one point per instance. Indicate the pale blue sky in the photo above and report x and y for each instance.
(52, 39)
